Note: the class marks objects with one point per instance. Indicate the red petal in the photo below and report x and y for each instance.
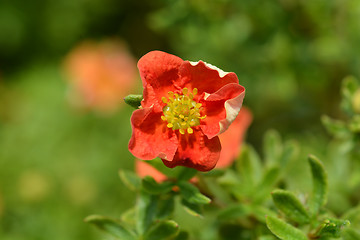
(221, 109)
(196, 151)
(232, 138)
(150, 136)
(158, 71)
(205, 77)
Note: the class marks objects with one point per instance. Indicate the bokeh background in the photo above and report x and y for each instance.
(62, 143)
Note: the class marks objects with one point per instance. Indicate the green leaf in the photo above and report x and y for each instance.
(193, 209)
(129, 216)
(186, 174)
(151, 186)
(233, 212)
(272, 147)
(290, 206)
(112, 227)
(182, 236)
(133, 100)
(290, 151)
(130, 179)
(331, 228)
(348, 90)
(214, 173)
(335, 127)
(267, 184)
(350, 234)
(192, 194)
(246, 169)
(320, 185)
(146, 211)
(284, 230)
(162, 230)
(165, 207)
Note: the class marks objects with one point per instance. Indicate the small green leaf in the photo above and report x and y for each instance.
(350, 234)
(272, 148)
(182, 236)
(331, 228)
(284, 230)
(193, 209)
(267, 184)
(233, 212)
(151, 186)
(320, 185)
(245, 167)
(162, 231)
(335, 127)
(146, 211)
(130, 179)
(290, 205)
(112, 227)
(192, 194)
(290, 151)
(186, 174)
(133, 100)
(166, 206)
(129, 216)
(348, 90)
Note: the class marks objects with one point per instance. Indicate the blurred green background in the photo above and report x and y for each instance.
(59, 164)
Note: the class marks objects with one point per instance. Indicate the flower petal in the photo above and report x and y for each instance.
(232, 138)
(205, 77)
(221, 109)
(158, 71)
(150, 136)
(196, 151)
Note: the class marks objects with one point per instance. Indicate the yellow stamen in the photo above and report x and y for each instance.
(182, 112)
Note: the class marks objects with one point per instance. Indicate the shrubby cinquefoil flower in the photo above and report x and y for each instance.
(186, 106)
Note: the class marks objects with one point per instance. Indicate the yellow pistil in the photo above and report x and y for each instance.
(181, 111)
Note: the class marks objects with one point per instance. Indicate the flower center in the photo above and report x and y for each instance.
(181, 111)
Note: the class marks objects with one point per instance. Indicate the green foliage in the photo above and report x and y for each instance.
(284, 230)
(288, 203)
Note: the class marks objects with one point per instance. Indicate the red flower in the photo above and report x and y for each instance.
(186, 106)
(231, 141)
(100, 75)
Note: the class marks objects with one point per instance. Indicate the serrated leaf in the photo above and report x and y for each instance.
(350, 234)
(272, 148)
(332, 228)
(162, 230)
(288, 203)
(193, 209)
(335, 127)
(151, 186)
(192, 194)
(112, 227)
(284, 230)
(320, 185)
(133, 100)
(130, 179)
